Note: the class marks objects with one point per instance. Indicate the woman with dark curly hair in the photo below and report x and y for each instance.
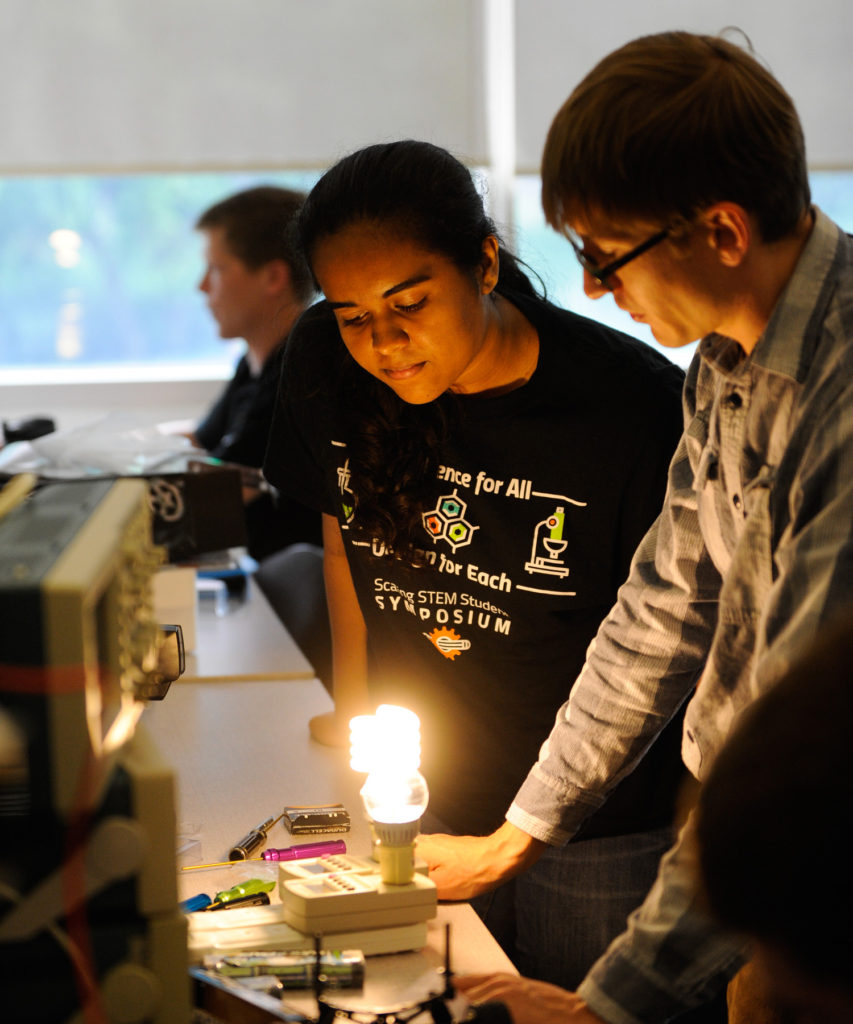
(486, 464)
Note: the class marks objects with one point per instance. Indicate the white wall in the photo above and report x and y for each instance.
(290, 83)
(231, 83)
(807, 46)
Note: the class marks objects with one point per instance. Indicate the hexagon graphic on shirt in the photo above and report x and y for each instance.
(447, 521)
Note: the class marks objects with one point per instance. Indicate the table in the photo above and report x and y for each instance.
(249, 642)
(241, 750)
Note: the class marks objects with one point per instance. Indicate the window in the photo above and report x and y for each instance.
(99, 273)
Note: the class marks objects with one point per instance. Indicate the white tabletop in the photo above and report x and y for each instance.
(248, 642)
(241, 751)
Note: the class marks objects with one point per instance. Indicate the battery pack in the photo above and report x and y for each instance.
(303, 821)
(340, 968)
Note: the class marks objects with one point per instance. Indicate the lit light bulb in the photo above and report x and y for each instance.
(395, 795)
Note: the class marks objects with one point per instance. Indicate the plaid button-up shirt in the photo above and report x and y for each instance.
(753, 550)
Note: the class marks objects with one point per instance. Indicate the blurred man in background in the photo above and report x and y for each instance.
(256, 286)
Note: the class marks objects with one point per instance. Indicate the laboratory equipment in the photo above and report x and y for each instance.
(387, 747)
(348, 900)
(221, 986)
(335, 863)
(89, 921)
(263, 928)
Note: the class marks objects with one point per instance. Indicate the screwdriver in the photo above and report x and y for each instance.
(254, 899)
(321, 849)
(245, 847)
(250, 887)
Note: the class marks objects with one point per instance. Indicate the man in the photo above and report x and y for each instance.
(256, 286)
(677, 169)
(767, 871)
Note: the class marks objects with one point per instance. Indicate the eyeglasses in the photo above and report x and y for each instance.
(601, 274)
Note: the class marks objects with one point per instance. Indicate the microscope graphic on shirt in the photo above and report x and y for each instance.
(548, 546)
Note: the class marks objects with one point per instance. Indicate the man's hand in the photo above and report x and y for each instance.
(528, 1001)
(465, 866)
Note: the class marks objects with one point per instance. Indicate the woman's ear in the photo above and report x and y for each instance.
(489, 268)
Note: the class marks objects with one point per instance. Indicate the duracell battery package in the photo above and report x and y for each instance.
(302, 821)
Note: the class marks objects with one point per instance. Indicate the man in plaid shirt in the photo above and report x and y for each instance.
(677, 170)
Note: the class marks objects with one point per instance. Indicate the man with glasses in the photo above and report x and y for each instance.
(677, 169)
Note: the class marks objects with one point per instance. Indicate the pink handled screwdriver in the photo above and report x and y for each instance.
(321, 849)
(305, 850)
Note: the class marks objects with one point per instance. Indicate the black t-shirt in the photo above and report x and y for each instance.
(236, 427)
(543, 494)
(235, 430)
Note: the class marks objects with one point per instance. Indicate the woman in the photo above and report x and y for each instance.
(485, 464)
